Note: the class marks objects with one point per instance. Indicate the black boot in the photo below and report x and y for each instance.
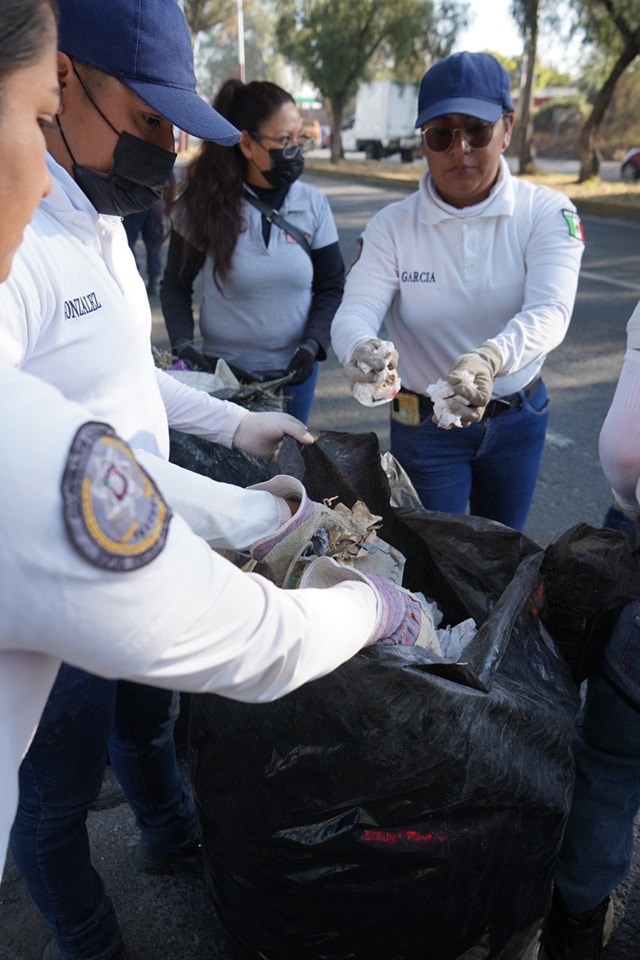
(575, 938)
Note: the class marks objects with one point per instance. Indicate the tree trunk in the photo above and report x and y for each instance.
(527, 156)
(336, 111)
(589, 153)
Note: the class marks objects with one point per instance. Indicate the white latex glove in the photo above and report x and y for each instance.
(482, 365)
(260, 434)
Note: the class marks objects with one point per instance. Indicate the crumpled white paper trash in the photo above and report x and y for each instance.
(442, 393)
(386, 384)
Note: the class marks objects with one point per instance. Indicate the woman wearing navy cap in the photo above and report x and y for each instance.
(475, 275)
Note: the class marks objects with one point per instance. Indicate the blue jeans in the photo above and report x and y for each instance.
(597, 846)
(62, 774)
(299, 399)
(616, 520)
(491, 466)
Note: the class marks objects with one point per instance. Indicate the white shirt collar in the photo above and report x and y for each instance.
(500, 202)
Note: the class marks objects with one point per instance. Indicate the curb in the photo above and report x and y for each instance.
(342, 174)
(606, 206)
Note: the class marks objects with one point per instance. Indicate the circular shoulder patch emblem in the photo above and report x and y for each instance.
(114, 513)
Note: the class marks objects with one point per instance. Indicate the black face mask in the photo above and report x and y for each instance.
(137, 178)
(284, 170)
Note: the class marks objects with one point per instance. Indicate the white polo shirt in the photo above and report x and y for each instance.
(187, 619)
(447, 279)
(75, 313)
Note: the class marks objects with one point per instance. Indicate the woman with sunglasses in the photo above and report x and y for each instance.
(267, 302)
(476, 275)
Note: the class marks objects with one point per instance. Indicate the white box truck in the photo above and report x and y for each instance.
(384, 121)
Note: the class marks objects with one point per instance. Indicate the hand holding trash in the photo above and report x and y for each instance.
(348, 535)
(402, 618)
(472, 379)
(277, 552)
(260, 434)
(372, 372)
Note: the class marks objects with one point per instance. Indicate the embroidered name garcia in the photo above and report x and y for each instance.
(80, 306)
(423, 276)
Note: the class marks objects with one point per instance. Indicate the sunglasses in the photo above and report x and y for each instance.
(477, 134)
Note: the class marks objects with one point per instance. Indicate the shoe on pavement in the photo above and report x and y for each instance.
(156, 862)
(111, 793)
(52, 952)
(575, 938)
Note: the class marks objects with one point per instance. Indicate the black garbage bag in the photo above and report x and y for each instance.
(215, 461)
(223, 463)
(588, 573)
(390, 811)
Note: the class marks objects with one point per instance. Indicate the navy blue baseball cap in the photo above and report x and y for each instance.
(474, 84)
(147, 45)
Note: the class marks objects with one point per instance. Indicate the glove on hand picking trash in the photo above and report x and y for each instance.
(402, 618)
(316, 530)
(372, 372)
(483, 364)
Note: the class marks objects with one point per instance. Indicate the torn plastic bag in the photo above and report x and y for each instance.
(390, 810)
(464, 562)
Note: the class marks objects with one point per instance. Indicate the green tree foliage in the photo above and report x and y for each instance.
(611, 28)
(337, 44)
(217, 48)
(203, 15)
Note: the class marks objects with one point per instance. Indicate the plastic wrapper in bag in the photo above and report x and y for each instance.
(397, 809)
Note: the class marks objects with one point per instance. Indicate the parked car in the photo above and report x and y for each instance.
(630, 166)
(312, 128)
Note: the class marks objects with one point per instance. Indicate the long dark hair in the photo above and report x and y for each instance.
(25, 29)
(212, 192)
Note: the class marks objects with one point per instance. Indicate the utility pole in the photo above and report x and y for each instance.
(241, 65)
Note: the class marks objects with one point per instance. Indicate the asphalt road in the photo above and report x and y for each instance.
(172, 919)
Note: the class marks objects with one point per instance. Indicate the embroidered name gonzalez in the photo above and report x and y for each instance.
(80, 306)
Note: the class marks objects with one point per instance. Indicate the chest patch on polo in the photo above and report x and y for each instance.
(114, 513)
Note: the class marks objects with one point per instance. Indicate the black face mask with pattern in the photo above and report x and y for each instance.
(283, 170)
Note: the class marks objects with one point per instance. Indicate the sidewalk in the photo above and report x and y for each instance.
(607, 197)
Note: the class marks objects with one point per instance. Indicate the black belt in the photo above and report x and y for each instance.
(493, 409)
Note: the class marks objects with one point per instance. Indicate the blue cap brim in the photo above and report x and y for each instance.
(187, 111)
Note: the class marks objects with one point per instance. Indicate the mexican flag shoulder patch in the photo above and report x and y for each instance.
(574, 223)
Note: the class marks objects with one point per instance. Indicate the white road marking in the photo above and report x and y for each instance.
(558, 440)
(628, 284)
